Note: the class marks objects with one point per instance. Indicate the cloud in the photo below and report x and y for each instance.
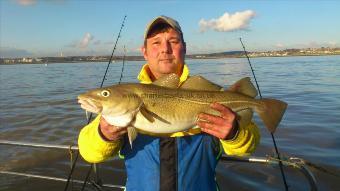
(310, 44)
(132, 51)
(331, 44)
(204, 48)
(86, 40)
(111, 42)
(228, 22)
(313, 44)
(73, 44)
(33, 2)
(26, 2)
(8, 52)
(97, 42)
(279, 45)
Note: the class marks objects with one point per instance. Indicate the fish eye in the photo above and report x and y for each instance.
(105, 93)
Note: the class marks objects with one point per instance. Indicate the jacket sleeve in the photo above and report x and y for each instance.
(245, 142)
(92, 147)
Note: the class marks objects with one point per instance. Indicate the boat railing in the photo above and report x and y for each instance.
(51, 146)
(293, 162)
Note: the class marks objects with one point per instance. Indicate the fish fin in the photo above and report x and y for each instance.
(151, 116)
(244, 86)
(272, 112)
(132, 134)
(200, 83)
(244, 117)
(169, 81)
(147, 115)
(160, 118)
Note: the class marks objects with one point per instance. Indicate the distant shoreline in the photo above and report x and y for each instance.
(189, 58)
(231, 54)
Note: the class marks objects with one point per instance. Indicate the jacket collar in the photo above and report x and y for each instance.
(144, 74)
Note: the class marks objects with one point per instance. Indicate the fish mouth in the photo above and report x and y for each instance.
(90, 105)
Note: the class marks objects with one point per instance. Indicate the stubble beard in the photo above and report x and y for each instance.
(168, 67)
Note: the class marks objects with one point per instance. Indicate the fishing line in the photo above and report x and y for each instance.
(87, 177)
(114, 48)
(71, 171)
(90, 117)
(121, 73)
(71, 162)
(101, 85)
(272, 135)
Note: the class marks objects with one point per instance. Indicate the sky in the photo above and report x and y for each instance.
(38, 28)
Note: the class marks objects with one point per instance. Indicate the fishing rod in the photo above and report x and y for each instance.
(121, 73)
(97, 183)
(114, 48)
(272, 134)
(94, 166)
(90, 117)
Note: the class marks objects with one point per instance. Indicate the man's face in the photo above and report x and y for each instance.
(165, 53)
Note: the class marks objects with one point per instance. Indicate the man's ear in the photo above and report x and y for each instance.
(143, 50)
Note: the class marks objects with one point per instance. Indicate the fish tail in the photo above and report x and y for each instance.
(272, 112)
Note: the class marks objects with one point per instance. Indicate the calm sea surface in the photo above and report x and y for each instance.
(38, 104)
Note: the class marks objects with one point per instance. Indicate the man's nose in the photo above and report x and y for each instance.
(166, 47)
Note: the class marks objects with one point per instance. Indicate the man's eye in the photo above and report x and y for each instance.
(156, 42)
(175, 41)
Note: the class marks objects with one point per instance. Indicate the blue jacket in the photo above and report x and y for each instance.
(171, 163)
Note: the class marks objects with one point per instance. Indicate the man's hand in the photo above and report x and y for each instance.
(110, 132)
(223, 127)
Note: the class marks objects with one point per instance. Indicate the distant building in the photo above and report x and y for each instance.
(26, 60)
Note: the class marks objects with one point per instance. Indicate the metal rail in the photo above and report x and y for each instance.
(56, 179)
(38, 145)
(50, 146)
(295, 163)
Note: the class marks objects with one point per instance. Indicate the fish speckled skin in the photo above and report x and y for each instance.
(165, 108)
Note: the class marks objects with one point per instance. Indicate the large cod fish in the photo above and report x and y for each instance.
(165, 107)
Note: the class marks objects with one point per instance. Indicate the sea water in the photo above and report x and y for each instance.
(38, 103)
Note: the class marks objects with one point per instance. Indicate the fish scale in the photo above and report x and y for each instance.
(163, 107)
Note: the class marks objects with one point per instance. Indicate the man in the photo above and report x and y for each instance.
(181, 161)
